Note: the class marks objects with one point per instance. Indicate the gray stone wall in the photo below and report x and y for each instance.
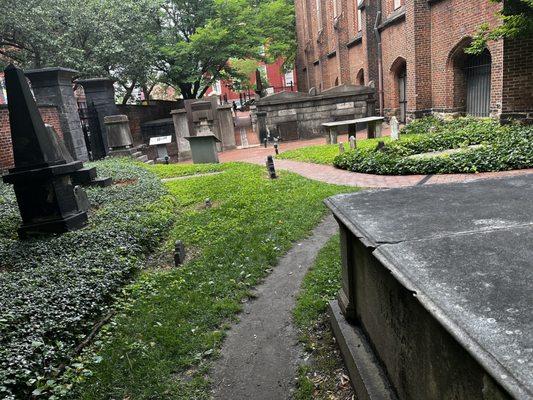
(305, 113)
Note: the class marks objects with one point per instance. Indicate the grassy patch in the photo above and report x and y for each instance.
(173, 320)
(324, 377)
(168, 171)
(326, 153)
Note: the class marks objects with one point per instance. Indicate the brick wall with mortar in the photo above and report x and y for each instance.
(430, 36)
(50, 116)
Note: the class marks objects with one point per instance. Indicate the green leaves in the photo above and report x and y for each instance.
(501, 148)
(52, 290)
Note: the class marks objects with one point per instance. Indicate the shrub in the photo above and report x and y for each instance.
(501, 148)
(53, 290)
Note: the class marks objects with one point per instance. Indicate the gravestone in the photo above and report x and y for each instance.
(41, 177)
(85, 176)
(341, 147)
(227, 127)
(100, 97)
(204, 148)
(395, 128)
(54, 86)
(181, 131)
(353, 142)
(118, 132)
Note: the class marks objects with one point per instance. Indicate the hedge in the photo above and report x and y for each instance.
(500, 148)
(53, 290)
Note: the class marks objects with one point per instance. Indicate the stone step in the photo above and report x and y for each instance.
(149, 162)
(142, 158)
(137, 154)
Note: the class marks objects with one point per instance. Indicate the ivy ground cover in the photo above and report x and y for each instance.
(484, 146)
(53, 290)
(172, 320)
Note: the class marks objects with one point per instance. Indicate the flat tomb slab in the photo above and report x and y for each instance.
(479, 287)
(353, 121)
(465, 252)
(421, 212)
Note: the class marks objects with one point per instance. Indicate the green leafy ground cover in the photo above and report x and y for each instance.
(53, 290)
(500, 148)
(324, 377)
(325, 153)
(173, 319)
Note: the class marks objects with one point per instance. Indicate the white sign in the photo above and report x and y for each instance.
(282, 113)
(155, 141)
(345, 106)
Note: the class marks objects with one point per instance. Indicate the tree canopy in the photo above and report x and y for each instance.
(183, 43)
(516, 22)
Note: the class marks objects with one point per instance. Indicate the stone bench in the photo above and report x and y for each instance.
(373, 130)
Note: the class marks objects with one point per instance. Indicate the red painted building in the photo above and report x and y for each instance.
(278, 80)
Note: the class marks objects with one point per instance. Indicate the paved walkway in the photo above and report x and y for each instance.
(330, 174)
(261, 354)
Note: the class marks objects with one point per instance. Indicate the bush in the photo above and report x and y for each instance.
(53, 290)
(501, 148)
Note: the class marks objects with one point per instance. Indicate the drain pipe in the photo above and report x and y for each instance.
(380, 62)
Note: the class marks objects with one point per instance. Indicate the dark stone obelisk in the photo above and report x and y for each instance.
(41, 177)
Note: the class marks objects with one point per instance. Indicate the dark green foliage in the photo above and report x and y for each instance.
(53, 290)
(502, 148)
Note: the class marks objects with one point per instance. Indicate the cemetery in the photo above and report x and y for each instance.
(364, 232)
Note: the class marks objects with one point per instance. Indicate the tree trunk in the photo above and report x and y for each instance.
(129, 91)
(186, 90)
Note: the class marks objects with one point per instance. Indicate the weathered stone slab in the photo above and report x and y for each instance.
(434, 271)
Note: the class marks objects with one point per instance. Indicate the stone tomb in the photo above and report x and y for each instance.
(54, 86)
(436, 290)
(41, 177)
(297, 115)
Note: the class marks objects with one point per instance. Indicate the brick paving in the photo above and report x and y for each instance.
(330, 174)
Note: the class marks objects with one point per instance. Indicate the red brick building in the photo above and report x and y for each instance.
(413, 52)
(277, 79)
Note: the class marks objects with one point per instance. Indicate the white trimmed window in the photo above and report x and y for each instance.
(397, 4)
(359, 20)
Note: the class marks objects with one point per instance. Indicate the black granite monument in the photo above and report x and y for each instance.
(41, 177)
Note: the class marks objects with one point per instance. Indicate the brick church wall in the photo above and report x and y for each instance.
(50, 116)
(425, 36)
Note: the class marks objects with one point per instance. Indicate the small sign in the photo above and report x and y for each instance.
(282, 113)
(155, 141)
(345, 106)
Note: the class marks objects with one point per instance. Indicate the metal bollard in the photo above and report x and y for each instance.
(265, 142)
(276, 149)
(270, 167)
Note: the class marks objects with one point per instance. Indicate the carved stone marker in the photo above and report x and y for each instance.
(54, 86)
(118, 132)
(395, 128)
(41, 177)
(341, 147)
(353, 143)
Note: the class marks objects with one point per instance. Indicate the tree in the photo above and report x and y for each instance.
(516, 22)
(196, 47)
(96, 37)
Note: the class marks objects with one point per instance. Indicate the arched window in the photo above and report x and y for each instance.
(469, 80)
(399, 87)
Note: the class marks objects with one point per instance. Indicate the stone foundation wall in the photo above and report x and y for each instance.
(305, 113)
(50, 116)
